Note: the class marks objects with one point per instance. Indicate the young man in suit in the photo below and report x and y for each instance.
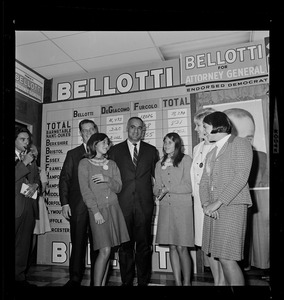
(26, 208)
(136, 161)
(74, 208)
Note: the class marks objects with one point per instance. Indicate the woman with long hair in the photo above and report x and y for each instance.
(175, 220)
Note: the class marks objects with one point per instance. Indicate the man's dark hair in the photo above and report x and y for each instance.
(85, 121)
(20, 129)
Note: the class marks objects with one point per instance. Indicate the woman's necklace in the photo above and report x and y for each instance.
(102, 162)
(203, 154)
(168, 162)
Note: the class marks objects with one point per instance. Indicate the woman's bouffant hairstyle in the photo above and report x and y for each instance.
(178, 154)
(219, 121)
(92, 142)
(203, 112)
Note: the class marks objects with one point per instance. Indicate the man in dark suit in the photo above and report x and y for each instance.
(26, 208)
(74, 208)
(136, 161)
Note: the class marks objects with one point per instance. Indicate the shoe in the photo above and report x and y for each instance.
(126, 284)
(142, 284)
(24, 283)
(72, 283)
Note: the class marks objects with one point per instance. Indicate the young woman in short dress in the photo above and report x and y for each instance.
(100, 181)
(175, 218)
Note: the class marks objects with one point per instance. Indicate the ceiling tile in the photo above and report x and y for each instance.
(259, 35)
(171, 51)
(56, 34)
(27, 37)
(40, 54)
(93, 44)
(54, 53)
(170, 37)
(121, 59)
(59, 70)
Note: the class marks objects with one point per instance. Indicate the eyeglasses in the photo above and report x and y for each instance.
(91, 130)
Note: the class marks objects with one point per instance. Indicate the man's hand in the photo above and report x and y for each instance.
(66, 211)
(31, 189)
(28, 158)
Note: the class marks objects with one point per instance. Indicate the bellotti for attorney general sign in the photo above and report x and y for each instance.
(225, 67)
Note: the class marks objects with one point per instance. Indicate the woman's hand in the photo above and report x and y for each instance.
(165, 189)
(211, 209)
(162, 192)
(99, 219)
(100, 178)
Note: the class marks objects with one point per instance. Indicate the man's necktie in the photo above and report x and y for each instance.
(22, 155)
(135, 155)
(16, 159)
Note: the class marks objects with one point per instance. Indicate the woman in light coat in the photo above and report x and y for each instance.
(198, 160)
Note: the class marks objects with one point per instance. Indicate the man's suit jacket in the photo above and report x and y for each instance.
(69, 189)
(137, 182)
(25, 174)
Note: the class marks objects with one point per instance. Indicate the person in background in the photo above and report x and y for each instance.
(74, 209)
(257, 246)
(198, 161)
(136, 161)
(26, 209)
(225, 197)
(100, 181)
(175, 220)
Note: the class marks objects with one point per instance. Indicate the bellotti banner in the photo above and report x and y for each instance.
(28, 82)
(155, 75)
(226, 67)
